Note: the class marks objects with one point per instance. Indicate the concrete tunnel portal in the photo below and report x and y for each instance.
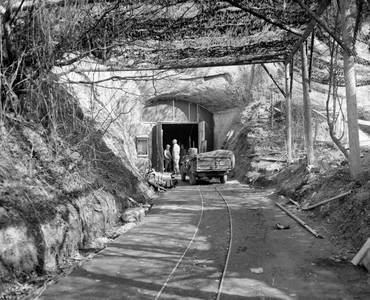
(193, 107)
(189, 123)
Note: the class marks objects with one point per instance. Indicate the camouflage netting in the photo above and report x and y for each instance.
(165, 34)
(172, 34)
(177, 34)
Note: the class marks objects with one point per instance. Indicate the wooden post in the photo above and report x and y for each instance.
(311, 56)
(272, 109)
(348, 19)
(2, 12)
(159, 142)
(307, 108)
(289, 126)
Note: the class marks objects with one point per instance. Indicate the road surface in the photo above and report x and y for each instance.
(264, 263)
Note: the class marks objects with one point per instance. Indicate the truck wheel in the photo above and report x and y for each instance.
(192, 178)
(223, 179)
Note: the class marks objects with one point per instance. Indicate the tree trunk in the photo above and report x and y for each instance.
(348, 23)
(307, 108)
(288, 97)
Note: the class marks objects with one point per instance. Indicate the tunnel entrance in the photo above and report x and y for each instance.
(191, 135)
(186, 134)
(190, 123)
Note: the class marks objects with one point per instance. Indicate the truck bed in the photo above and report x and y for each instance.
(218, 160)
(213, 164)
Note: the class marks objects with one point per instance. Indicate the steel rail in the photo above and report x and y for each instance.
(224, 271)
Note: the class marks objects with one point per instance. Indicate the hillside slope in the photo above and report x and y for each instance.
(61, 188)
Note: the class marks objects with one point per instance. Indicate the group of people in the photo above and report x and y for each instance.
(172, 158)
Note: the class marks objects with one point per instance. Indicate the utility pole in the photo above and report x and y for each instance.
(348, 16)
(307, 108)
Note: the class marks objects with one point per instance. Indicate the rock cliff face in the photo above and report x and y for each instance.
(118, 98)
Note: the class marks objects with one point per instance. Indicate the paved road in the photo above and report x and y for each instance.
(294, 264)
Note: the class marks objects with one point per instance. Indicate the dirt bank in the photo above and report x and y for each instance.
(347, 220)
(260, 154)
(60, 190)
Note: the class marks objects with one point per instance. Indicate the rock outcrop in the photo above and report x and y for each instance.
(58, 194)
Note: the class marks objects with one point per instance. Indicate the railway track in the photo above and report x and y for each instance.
(218, 294)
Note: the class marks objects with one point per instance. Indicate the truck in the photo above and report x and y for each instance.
(207, 165)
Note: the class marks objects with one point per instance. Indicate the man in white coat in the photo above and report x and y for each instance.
(176, 156)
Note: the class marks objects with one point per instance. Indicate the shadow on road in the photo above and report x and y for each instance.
(136, 265)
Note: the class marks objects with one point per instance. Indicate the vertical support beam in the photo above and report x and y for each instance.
(348, 19)
(159, 144)
(2, 11)
(289, 125)
(272, 102)
(307, 108)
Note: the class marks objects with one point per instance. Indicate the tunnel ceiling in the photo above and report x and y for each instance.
(185, 34)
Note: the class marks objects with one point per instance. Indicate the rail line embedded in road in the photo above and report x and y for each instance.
(178, 263)
(186, 250)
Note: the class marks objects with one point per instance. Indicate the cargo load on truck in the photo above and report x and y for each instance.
(208, 165)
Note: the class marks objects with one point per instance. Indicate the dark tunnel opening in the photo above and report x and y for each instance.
(186, 134)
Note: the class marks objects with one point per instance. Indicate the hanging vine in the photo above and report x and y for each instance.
(334, 109)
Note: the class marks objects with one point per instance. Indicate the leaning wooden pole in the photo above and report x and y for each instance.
(299, 221)
(348, 19)
(307, 108)
(327, 200)
(289, 125)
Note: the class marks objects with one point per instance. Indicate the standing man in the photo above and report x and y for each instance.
(167, 158)
(176, 156)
